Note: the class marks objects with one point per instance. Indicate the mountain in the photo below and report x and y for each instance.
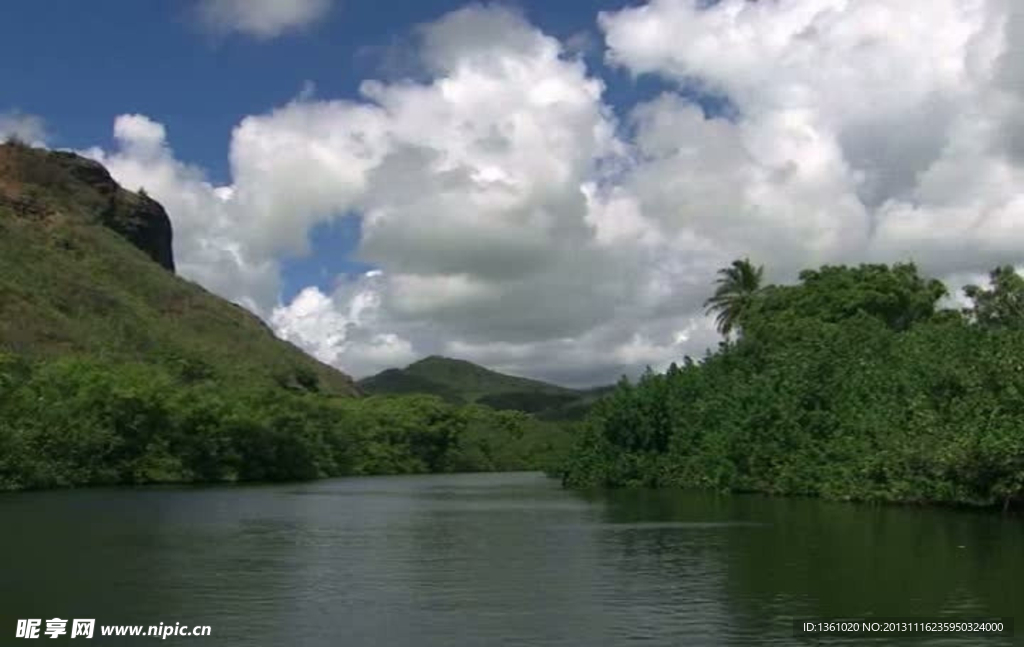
(86, 268)
(459, 382)
(113, 370)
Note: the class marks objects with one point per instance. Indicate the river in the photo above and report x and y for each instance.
(493, 559)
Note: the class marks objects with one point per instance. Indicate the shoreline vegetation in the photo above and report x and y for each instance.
(114, 370)
(851, 385)
(81, 421)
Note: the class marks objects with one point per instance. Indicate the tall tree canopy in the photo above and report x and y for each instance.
(898, 296)
(737, 286)
(1002, 304)
(851, 384)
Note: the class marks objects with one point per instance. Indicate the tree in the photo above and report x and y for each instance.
(737, 286)
(1002, 305)
(850, 384)
(898, 296)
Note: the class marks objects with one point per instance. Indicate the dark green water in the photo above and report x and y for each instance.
(482, 560)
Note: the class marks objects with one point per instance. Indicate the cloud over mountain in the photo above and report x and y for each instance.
(518, 219)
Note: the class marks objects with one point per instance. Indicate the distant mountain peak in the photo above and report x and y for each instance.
(462, 381)
(443, 360)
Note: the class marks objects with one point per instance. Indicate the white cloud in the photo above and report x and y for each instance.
(140, 135)
(517, 220)
(30, 129)
(208, 247)
(339, 329)
(262, 18)
(866, 130)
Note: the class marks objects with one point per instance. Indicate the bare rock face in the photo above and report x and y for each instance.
(145, 224)
(135, 216)
(24, 171)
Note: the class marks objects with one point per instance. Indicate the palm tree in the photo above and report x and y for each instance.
(737, 285)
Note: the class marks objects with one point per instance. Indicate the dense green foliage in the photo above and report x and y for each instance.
(85, 421)
(114, 370)
(850, 385)
(461, 382)
(1002, 305)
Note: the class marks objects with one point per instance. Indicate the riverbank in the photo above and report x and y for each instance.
(82, 421)
(852, 385)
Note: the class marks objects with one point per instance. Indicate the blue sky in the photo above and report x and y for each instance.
(498, 196)
(155, 58)
(102, 59)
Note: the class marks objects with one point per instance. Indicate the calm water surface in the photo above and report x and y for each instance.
(483, 560)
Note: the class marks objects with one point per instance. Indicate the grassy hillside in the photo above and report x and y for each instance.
(82, 271)
(459, 381)
(395, 381)
(114, 370)
(474, 382)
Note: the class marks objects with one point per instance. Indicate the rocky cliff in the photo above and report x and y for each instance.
(86, 268)
(36, 180)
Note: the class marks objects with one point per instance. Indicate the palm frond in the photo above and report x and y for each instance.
(736, 284)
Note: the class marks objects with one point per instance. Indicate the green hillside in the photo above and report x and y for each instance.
(462, 382)
(114, 370)
(396, 381)
(77, 276)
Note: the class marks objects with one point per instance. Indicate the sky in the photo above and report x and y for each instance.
(546, 188)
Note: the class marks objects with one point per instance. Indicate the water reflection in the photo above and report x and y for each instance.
(789, 558)
(493, 560)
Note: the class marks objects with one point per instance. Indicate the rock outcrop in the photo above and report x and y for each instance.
(144, 223)
(84, 272)
(135, 216)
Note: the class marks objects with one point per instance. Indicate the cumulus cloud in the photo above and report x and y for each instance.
(30, 129)
(341, 329)
(261, 18)
(867, 130)
(206, 220)
(519, 220)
